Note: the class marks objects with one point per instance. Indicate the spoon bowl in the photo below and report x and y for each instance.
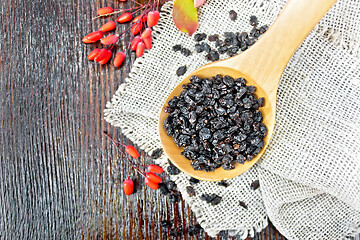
(261, 65)
(173, 152)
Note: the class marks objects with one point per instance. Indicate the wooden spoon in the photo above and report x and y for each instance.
(262, 66)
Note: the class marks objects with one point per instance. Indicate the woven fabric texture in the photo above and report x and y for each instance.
(310, 173)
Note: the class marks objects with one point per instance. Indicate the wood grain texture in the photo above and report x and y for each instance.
(59, 177)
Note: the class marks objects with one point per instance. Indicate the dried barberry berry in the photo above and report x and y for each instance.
(165, 224)
(198, 48)
(250, 41)
(214, 55)
(206, 47)
(175, 232)
(176, 47)
(216, 200)
(186, 52)
(163, 189)
(213, 38)
(171, 185)
(232, 15)
(223, 183)
(181, 71)
(255, 185)
(190, 191)
(156, 153)
(243, 204)
(199, 37)
(234, 50)
(253, 21)
(193, 181)
(174, 198)
(194, 230)
(263, 29)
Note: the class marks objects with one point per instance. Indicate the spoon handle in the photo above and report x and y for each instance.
(267, 59)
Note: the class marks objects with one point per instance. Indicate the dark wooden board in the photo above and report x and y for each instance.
(59, 177)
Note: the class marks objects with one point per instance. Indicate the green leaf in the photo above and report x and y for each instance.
(185, 16)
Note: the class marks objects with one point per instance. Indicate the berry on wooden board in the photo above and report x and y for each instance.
(148, 43)
(105, 10)
(136, 28)
(132, 151)
(106, 58)
(101, 55)
(151, 179)
(140, 49)
(153, 18)
(93, 37)
(125, 17)
(92, 55)
(155, 168)
(151, 184)
(135, 42)
(128, 186)
(109, 26)
(108, 40)
(146, 33)
(140, 18)
(119, 59)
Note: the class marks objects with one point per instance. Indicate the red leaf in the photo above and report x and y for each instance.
(185, 16)
(198, 3)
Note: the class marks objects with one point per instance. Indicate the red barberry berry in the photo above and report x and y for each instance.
(93, 54)
(132, 151)
(153, 177)
(136, 28)
(134, 43)
(101, 55)
(105, 10)
(143, 18)
(151, 184)
(125, 17)
(155, 168)
(93, 37)
(122, 0)
(146, 33)
(108, 26)
(148, 43)
(119, 58)
(106, 58)
(128, 186)
(140, 49)
(153, 18)
(108, 40)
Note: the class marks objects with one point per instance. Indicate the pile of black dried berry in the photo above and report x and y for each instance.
(232, 43)
(217, 122)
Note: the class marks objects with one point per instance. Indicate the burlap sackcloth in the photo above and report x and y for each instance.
(310, 173)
